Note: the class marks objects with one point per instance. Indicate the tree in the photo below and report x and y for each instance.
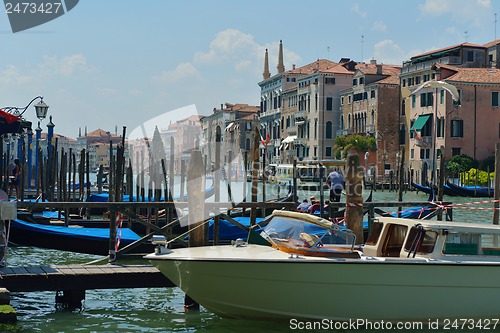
(358, 142)
(460, 163)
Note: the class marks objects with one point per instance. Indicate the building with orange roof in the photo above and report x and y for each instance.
(300, 108)
(370, 107)
(435, 123)
(234, 122)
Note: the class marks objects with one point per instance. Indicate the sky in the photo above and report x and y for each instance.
(113, 63)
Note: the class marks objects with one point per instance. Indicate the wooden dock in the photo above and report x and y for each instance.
(81, 277)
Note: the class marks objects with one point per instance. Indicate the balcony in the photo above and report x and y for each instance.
(300, 115)
(346, 131)
(291, 130)
(370, 129)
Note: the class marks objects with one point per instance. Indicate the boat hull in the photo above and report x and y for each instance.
(80, 240)
(260, 282)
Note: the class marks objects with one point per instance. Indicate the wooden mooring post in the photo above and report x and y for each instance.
(198, 231)
(354, 196)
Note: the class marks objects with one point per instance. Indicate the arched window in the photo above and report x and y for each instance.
(329, 130)
(247, 144)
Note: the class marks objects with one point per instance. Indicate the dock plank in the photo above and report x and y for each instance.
(81, 277)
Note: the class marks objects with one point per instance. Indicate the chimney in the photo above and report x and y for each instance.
(373, 61)
(293, 66)
(281, 66)
(379, 69)
(266, 75)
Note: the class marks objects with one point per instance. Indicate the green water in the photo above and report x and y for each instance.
(155, 309)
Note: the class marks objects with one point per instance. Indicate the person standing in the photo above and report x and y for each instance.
(15, 178)
(336, 182)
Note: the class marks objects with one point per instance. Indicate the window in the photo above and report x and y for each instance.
(349, 99)
(412, 153)
(342, 100)
(329, 104)
(328, 151)
(457, 128)
(441, 96)
(440, 127)
(459, 102)
(372, 94)
(361, 80)
(329, 130)
(413, 101)
(470, 56)
(426, 99)
(420, 240)
(417, 79)
(402, 135)
(494, 98)
(404, 83)
(329, 80)
(455, 151)
(410, 81)
(394, 241)
(426, 77)
(354, 82)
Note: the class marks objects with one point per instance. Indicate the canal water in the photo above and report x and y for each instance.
(155, 309)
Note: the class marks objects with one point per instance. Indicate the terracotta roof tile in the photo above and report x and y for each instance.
(476, 75)
(320, 65)
(492, 43)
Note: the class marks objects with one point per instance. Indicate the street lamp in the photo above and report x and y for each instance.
(40, 108)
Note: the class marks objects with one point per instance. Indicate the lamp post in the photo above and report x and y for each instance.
(41, 110)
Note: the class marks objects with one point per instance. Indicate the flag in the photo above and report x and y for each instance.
(9, 117)
(265, 141)
(420, 141)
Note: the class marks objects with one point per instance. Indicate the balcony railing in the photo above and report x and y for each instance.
(292, 130)
(300, 115)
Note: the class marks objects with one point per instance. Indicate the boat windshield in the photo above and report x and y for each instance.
(296, 232)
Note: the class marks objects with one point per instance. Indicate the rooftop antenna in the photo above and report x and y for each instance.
(495, 26)
(328, 52)
(466, 36)
(362, 41)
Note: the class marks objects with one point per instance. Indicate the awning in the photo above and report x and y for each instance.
(300, 122)
(289, 139)
(228, 127)
(420, 122)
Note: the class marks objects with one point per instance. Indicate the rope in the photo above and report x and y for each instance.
(187, 232)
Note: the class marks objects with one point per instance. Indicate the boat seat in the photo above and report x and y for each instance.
(309, 240)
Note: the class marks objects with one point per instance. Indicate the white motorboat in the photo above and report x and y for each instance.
(406, 270)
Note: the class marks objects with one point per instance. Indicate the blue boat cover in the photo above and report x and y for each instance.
(126, 234)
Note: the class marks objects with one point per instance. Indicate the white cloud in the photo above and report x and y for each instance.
(11, 76)
(65, 66)
(356, 8)
(109, 92)
(388, 52)
(379, 26)
(183, 71)
(461, 11)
